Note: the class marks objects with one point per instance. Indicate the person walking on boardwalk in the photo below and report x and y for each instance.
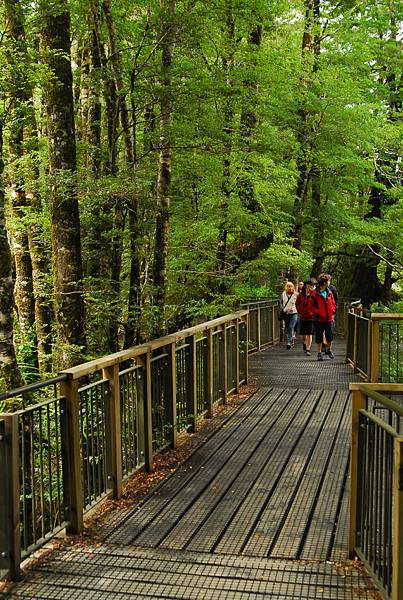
(287, 305)
(303, 306)
(323, 307)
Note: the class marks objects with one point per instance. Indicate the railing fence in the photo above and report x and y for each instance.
(95, 424)
(376, 501)
(375, 346)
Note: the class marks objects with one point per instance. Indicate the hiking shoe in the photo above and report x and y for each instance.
(330, 353)
(288, 346)
(320, 357)
(308, 353)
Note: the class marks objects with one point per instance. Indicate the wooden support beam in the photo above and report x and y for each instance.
(172, 393)
(10, 535)
(397, 523)
(237, 368)
(224, 362)
(358, 403)
(148, 420)
(71, 442)
(113, 429)
(210, 375)
(375, 352)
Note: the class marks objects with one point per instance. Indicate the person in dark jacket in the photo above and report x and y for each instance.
(323, 307)
(335, 293)
(302, 305)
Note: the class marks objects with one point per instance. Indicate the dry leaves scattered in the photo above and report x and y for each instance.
(141, 483)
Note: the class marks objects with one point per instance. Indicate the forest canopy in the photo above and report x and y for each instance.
(162, 161)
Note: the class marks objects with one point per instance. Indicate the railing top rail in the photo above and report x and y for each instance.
(32, 387)
(358, 316)
(369, 391)
(259, 302)
(380, 422)
(113, 359)
(387, 316)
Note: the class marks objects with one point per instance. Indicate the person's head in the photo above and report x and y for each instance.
(308, 286)
(289, 287)
(300, 285)
(323, 281)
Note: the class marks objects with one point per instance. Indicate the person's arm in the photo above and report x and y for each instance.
(313, 304)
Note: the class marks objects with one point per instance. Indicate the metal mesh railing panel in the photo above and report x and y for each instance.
(243, 355)
(350, 338)
(161, 398)
(42, 493)
(183, 387)
(131, 384)
(231, 358)
(92, 407)
(218, 363)
(374, 498)
(253, 329)
(391, 352)
(202, 375)
(363, 339)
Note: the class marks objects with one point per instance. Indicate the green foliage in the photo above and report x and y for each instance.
(219, 80)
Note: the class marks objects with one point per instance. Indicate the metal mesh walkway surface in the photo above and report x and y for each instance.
(258, 511)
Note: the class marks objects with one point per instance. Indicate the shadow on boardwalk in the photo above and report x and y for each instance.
(258, 511)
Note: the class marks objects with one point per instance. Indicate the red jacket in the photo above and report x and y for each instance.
(323, 310)
(304, 308)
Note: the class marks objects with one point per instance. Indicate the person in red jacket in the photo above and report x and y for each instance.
(323, 307)
(303, 307)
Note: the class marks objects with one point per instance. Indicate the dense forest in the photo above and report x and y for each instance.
(162, 160)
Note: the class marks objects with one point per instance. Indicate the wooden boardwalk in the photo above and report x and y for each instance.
(259, 511)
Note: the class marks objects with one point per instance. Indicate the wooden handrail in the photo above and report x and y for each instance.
(112, 359)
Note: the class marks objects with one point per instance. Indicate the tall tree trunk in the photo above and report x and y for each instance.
(317, 208)
(35, 260)
(304, 164)
(318, 225)
(163, 188)
(66, 248)
(19, 99)
(114, 57)
(9, 369)
(131, 328)
(228, 62)
(248, 128)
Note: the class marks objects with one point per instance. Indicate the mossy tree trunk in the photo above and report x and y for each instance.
(163, 187)
(65, 221)
(9, 369)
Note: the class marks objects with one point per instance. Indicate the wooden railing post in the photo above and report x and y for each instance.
(114, 439)
(375, 350)
(247, 322)
(148, 419)
(237, 368)
(224, 362)
(358, 403)
(397, 523)
(172, 395)
(355, 348)
(210, 375)
(273, 323)
(193, 383)
(10, 535)
(72, 474)
(141, 383)
(258, 318)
